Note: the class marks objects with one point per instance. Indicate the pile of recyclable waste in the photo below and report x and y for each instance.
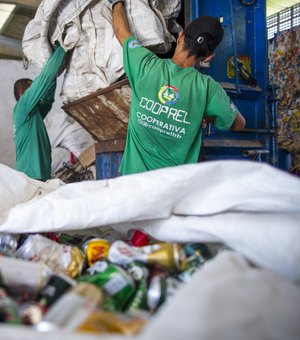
(79, 283)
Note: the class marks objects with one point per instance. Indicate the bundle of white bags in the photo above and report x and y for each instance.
(85, 27)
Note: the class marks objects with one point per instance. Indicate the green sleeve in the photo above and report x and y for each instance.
(220, 106)
(47, 100)
(137, 59)
(39, 87)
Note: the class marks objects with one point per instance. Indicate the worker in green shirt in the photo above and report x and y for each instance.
(34, 101)
(170, 97)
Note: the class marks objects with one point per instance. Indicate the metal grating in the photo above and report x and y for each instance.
(284, 20)
(296, 15)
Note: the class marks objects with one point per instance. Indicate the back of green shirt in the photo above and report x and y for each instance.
(166, 112)
(33, 149)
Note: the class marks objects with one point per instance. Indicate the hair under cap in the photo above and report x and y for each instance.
(205, 29)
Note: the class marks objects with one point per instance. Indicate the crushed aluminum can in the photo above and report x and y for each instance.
(9, 311)
(137, 238)
(114, 281)
(8, 244)
(52, 236)
(31, 312)
(169, 256)
(5, 251)
(139, 300)
(96, 249)
(161, 287)
(122, 254)
(157, 291)
(106, 322)
(56, 286)
(71, 240)
(9, 241)
(74, 306)
(137, 270)
(21, 276)
(198, 249)
(197, 254)
(59, 257)
(109, 304)
(192, 266)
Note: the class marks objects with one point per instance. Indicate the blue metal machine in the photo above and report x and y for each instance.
(241, 66)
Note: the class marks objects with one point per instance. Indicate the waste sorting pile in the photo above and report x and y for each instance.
(250, 207)
(80, 283)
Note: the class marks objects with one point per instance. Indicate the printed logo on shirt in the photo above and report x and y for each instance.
(168, 95)
(133, 44)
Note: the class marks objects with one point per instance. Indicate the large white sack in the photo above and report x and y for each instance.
(52, 19)
(17, 188)
(229, 300)
(252, 207)
(226, 299)
(60, 20)
(97, 59)
(65, 132)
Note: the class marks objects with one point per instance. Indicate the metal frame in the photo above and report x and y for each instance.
(275, 21)
(245, 35)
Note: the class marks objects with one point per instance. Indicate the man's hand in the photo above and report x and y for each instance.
(65, 63)
(113, 2)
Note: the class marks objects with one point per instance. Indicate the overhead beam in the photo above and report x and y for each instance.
(24, 3)
(275, 6)
(12, 48)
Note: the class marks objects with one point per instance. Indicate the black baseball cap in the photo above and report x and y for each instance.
(205, 28)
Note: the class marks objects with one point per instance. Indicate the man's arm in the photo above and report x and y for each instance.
(120, 24)
(239, 123)
(46, 102)
(225, 114)
(42, 82)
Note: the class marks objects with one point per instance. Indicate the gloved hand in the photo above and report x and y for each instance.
(113, 2)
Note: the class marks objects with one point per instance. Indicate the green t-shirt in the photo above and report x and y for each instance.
(166, 111)
(33, 149)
